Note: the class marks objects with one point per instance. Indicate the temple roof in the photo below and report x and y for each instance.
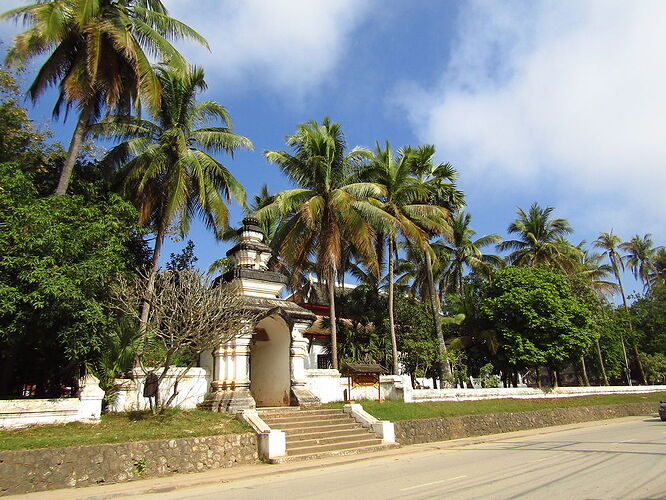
(264, 305)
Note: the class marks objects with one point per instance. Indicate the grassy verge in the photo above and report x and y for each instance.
(121, 428)
(396, 410)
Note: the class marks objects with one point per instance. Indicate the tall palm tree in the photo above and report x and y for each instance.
(98, 55)
(640, 257)
(658, 275)
(439, 180)
(593, 272)
(541, 240)
(165, 167)
(325, 208)
(463, 251)
(609, 243)
(405, 201)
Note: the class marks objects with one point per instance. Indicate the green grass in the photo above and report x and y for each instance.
(123, 427)
(396, 410)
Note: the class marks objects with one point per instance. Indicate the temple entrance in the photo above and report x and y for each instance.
(270, 378)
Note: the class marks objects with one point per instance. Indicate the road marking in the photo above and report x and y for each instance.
(626, 441)
(430, 484)
(541, 460)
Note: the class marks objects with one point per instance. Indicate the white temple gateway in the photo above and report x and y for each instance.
(267, 365)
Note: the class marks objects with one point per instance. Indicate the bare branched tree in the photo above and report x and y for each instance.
(186, 314)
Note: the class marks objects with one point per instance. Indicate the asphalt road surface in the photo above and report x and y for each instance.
(624, 459)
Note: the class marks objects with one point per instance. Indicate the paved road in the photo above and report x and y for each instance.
(625, 459)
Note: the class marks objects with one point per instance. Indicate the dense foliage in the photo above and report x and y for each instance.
(537, 318)
(60, 255)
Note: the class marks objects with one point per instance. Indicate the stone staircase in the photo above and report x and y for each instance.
(319, 433)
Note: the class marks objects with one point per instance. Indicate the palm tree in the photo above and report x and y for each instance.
(163, 165)
(439, 180)
(98, 56)
(593, 272)
(658, 275)
(541, 240)
(609, 243)
(403, 200)
(463, 251)
(640, 257)
(326, 208)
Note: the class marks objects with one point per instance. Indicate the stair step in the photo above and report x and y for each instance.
(307, 420)
(320, 442)
(302, 414)
(301, 429)
(326, 434)
(332, 453)
(344, 445)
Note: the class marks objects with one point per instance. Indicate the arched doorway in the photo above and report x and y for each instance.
(270, 378)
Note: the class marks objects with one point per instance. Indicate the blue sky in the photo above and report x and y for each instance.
(559, 102)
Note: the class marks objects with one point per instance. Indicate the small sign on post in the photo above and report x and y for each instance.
(364, 375)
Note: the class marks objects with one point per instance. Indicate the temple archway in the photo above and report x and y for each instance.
(270, 374)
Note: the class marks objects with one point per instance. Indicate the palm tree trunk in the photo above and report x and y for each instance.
(73, 151)
(586, 380)
(145, 307)
(601, 363)
(631, 328)
(444, 368)
(394, 342)
(334, 327)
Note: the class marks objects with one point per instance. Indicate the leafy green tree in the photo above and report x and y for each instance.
(537, 318)
(97, 54)
(60, 255)
(649, 317)
(164, 166)
(326, 208)
(540, 240)
(417, 339)
(183, 260)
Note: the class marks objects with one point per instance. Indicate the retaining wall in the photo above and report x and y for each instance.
(23, 471)
(443, 429)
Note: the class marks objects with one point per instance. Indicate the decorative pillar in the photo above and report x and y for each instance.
(230, 388)
(300, 395)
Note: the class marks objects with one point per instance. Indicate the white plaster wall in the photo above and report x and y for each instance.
(392, 388)
(325, 384)
(329, 386)
(270, 379)
(192, 389)
(313, 352)
(87, 407)
(423, 395)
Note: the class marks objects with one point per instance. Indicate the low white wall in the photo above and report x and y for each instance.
(87, 407)
(192, 389)
(325, 384)
(423, 395)
(329, 386)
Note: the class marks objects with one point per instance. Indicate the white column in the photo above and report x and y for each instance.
(299, 351)
(241, 366)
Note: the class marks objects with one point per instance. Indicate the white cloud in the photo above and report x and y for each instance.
(564, 95)
(290, 45)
